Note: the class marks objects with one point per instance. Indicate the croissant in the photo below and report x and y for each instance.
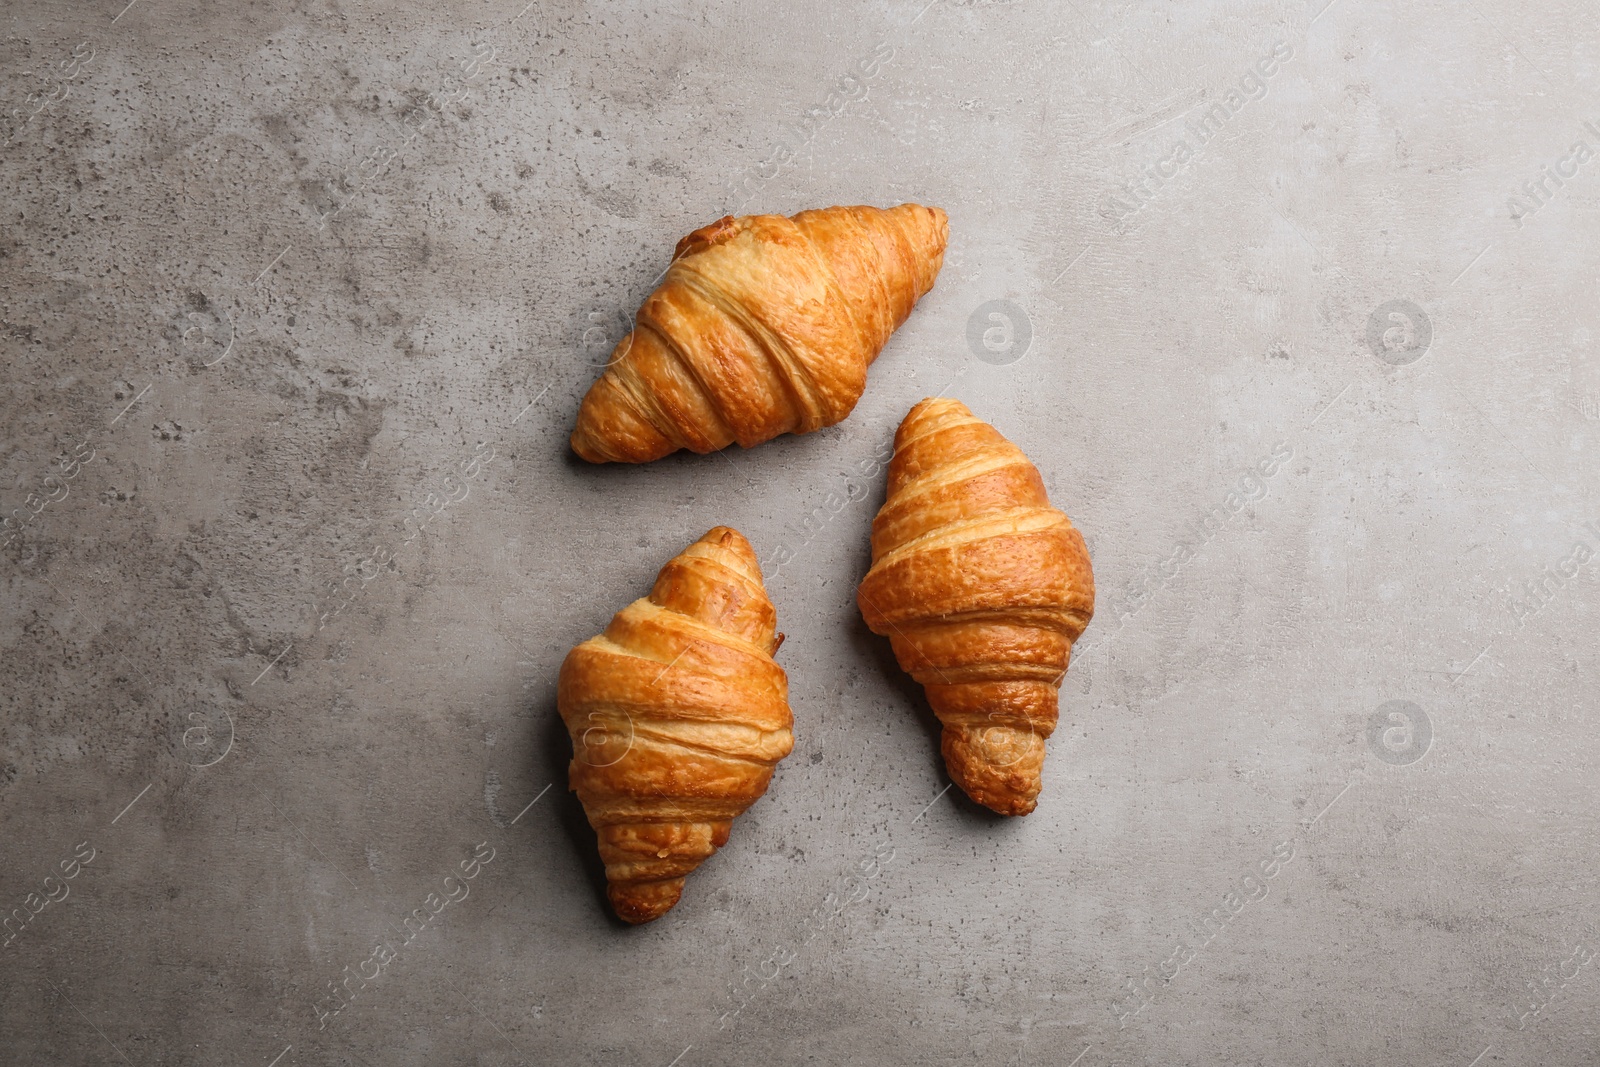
(762, 325)
(981, 587)
(678, 715)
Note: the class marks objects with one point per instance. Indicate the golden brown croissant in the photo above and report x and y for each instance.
(981, 587)
(678, 715)
(762, 325)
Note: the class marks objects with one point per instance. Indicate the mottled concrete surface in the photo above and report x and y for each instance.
(1322, 392)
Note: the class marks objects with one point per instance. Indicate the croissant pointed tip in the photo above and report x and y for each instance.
(1010, 806)
(584, 448)
(610, 428)
(724, 229)
(937, 403)
(1001, 803)
(997, 766)
(642, 902)
(736, 545)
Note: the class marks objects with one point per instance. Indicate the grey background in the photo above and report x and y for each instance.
(266, 398)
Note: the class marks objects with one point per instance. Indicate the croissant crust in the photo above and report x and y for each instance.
(678, 715)
(762, 325)
(981, 587)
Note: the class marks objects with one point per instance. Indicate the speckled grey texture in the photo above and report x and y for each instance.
(1292, 305)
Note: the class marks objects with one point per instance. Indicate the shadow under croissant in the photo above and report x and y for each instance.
(883, 659)
(576, 464)
(553, 756)
(786, 452)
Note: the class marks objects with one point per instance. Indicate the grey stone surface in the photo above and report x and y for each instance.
(264, 300)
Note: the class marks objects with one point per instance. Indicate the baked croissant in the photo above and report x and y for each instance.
(981, 587)
(678, 715)
(762, 325)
